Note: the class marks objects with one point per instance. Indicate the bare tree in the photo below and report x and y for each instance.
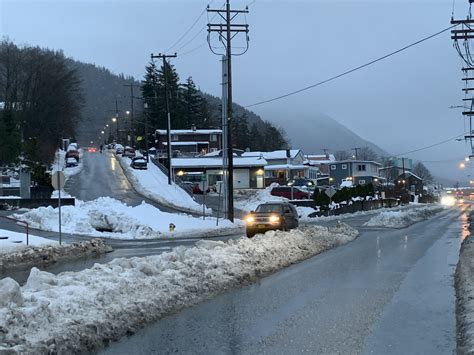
(366, 153)
(342, 155)
(422, 171)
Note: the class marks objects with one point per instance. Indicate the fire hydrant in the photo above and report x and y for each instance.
(172, 227)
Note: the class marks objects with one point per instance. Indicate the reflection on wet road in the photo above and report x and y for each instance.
(389, 291)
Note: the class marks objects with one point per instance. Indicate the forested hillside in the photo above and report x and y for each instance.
(188, 107)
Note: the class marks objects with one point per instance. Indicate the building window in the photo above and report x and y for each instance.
(213, 138)
(361, 167)
(174, 137)
(344, 166)
(333, 167)
(361, 182)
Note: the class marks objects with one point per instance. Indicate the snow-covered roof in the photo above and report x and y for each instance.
(286, 167)
(321, 158)
(407, 172)
(216, 153)
(216, 162)
(190, 131)
(185, 143)
(276, 154)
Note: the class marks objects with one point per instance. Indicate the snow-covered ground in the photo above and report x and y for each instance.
(403, 218)
(110, 218)
(47, 252)
(153, 184)
(15, 241)
(76, 312)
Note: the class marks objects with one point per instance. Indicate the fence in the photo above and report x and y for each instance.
(176, 179)
(356, 206)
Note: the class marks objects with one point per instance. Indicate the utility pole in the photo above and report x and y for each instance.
(462, 43)
(168, 127)
(117, 118)
(227, 31)
(356, 150)
(132, 117)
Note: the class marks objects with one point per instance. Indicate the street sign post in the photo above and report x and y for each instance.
(58, 180)
(330, 191)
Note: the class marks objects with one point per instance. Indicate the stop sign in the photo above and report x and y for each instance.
(58, 180)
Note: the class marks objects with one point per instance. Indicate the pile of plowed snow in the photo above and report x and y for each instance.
(48, 254)
(403, 218)
(76, 312)
(107, 217)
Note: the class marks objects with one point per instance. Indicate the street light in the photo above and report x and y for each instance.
(466, 159)
(462, 165)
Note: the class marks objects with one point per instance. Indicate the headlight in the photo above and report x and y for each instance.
(448, 200)
(274, 219)
(250, 219)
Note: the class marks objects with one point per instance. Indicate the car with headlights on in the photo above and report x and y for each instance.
(271, 216)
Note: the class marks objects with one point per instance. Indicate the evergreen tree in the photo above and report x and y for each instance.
(256, 138)
(194, 106)
(240, 131)
(150, 91)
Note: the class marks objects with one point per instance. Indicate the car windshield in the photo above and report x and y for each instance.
(268, 208)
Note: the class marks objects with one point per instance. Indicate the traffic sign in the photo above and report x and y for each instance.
(330, 191)
(58, 180)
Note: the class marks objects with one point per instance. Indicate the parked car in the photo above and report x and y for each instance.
(285, 191)
(118, 149)
(195, 187)
(139, 163)
(129, 152)
(72, 154)
(111, 146)
(271, 216)
(71, 162)
(303, 182)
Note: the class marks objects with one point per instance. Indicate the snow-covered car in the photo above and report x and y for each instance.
(271, 216)
(139, 163)
(129, 152)
(118, 149)
(72, 154)
(71, 162)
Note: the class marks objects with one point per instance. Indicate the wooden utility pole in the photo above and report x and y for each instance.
(132, 116)
(168, 127)
(227, 30)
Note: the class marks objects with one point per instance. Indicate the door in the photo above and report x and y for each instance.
(241, 179)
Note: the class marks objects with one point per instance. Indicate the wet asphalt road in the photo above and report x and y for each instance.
(388, 292)
(102, 176)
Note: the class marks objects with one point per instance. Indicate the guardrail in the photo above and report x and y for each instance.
(176, 179)
(20, 222)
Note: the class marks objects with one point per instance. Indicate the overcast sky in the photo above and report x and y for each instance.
(400, 104)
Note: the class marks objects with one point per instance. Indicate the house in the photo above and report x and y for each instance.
(190, 141)
(207, 171)
(283, 165)
(321, 161)
(360, 172)
(409, 181)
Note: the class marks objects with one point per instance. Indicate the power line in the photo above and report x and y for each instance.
(430, 146)
(189, 29)
(352, 70)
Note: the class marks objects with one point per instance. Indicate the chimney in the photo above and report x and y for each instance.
(288, 153)
(193, 127)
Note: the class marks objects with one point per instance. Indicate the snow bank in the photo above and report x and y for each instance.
(76, 312)
(50, 253)
(403, 218)
(248, 200)
(464, 283)
(152, 183)
(107, 217)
